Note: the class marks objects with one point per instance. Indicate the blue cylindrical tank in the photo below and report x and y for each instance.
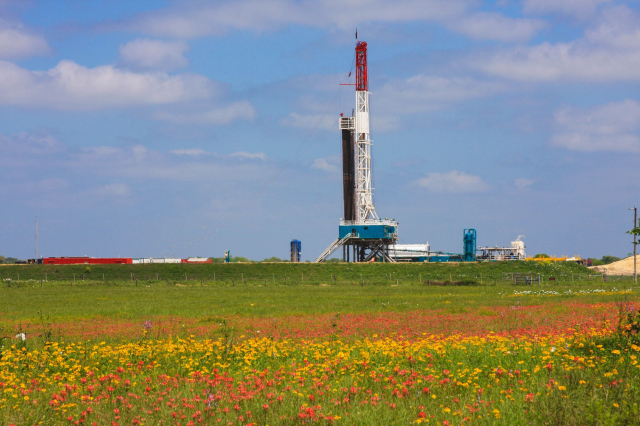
(469, 242)
(296, 250)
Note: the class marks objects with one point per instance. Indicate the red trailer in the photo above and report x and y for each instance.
(87, 260)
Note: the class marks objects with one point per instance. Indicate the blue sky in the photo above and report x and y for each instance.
(159, 128)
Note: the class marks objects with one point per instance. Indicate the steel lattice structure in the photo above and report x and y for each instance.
(364, 189)
(362, 235)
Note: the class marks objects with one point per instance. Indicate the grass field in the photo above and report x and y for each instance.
(329, 344)
(299, 273)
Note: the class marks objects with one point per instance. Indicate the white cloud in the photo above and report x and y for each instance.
(249, 155)
(495, 26)
(199, 19)
(452, 182)
(397, 98)
(30, 143)
(72, 86)
(329, 165)
(144, 53)
(193, 151)
(140, 162)
(578, 8)
(111, 190)
(609, 51)
(522, 183)
(421, 93)
(17, 42)
(218, 115)
(611, 127)
(563, 61)
(103, 150)
(311, 121)
(618, 28)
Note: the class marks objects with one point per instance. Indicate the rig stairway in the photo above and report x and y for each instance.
(333, 247)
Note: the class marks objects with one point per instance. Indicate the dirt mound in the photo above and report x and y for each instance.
(621, 267)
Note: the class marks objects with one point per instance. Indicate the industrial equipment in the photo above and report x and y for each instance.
(515, 252)
(296, 249)
(362, 235)
(469, 244)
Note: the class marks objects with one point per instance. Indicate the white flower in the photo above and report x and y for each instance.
(21, 336)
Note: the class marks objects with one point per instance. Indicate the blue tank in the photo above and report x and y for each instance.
(469, 241)
(296, 249)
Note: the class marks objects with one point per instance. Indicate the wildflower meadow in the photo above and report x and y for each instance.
(249, 355)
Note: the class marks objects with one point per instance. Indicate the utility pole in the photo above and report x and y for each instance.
(635, 244)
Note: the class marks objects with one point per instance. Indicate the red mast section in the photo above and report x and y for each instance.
(362, 80)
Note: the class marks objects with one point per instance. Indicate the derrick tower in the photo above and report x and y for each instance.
(364, 190)
(362, 235)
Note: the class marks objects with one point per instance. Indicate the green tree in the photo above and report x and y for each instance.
(609, 259)
(541, 255)
(273, 259)
(2, 258)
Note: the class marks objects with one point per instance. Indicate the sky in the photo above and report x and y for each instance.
(175, 129)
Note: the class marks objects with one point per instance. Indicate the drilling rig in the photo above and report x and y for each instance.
(362, 235)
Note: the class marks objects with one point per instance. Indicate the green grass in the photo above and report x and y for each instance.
(287, 273)
(132, 292)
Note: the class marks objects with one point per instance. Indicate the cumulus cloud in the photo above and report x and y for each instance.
(193, 151)
(197, 19)
(17, 42)
(249, 155)
(30, 143)
(495, 26)
(242, 110)
(397, 98)
(111, 190)
(310, 121)
(140, 162)
(144, 53)
(609, 51)
(329, 164)
(611, 127)
(71, 86)
(421, 93)
(452, 182)
(522, 183)
(578, 8)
